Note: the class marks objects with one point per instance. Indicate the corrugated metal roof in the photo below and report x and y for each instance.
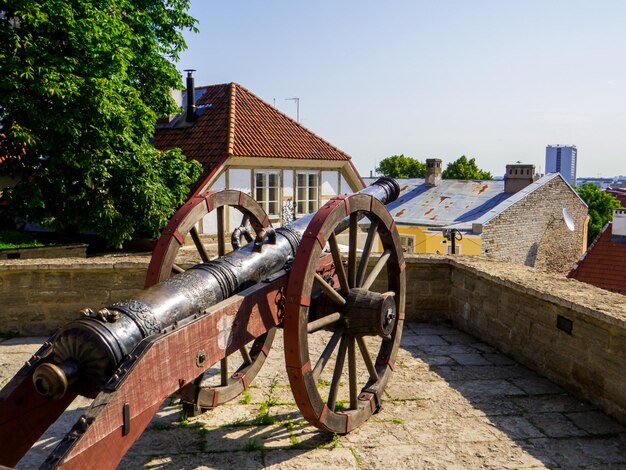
(454, 203)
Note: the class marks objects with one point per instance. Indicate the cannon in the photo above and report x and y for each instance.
(134, 354)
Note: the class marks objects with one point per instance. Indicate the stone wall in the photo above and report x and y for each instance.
(512, 307)
(570, 332)
(532, 231)
(38, 296)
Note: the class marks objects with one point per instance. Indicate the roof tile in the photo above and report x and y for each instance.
(238, 123)
(604, 263)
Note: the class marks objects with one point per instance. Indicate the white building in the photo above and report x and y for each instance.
(562, 159)
(244, 143)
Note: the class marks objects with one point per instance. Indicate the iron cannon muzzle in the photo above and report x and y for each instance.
(52, 380)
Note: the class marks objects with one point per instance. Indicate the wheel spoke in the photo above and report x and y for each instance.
(341, 272)
(177, 269)
(244, 220)
(352, 242)
(367, 249)
(247, 360)
(329, 291)
(323, 322)
(199, 246)
(352, 373)
(334, 386)
(224, 371)
(380, 264)
(328, 351)
(367, 358)
(221, 244)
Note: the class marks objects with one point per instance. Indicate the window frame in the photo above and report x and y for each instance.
(265, 201)
(307, 200)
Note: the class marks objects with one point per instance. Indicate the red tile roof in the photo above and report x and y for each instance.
(604, 263)
(232, 121)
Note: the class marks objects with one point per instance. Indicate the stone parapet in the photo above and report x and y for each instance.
(570, 332)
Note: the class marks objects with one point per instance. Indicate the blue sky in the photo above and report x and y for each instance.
(495, 80)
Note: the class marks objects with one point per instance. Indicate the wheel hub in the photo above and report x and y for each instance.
(370, 313)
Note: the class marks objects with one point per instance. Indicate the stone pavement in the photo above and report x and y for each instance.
(453, 402)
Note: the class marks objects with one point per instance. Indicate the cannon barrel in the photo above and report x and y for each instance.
(87, 351)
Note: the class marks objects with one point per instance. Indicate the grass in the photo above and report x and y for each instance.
(252, 444)
(245, 398)
(11, 239)
(340, 405)
(268, 402)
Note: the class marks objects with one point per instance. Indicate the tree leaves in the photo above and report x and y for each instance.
(399, 166)
(464, 169)
(601, 205)
(83, 84)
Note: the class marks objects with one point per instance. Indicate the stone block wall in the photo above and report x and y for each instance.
(38, 296)
(570, 332)
(532, 231)
(514, 308)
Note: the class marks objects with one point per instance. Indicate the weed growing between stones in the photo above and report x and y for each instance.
(245, 398)
(268, 402)
(252, 444)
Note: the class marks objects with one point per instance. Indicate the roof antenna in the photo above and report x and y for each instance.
(297, 100)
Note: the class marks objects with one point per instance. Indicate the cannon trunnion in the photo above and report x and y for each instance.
(132, 355)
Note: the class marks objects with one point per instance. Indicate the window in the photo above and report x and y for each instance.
(266, 191)
(408, 243)
(306, 192)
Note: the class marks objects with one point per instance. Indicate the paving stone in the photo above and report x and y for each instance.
(555, 425)
(582, 452)
(551, 403)
(317, 459)
(537, 385)
(470, 359)
(596, 422)
(499, 359)
(447, 349)
(206, 461)
(481, 388)
(515, 427)
(430, 328)
(437, 414)
(460, 338)
(423, 340)
(466, 372)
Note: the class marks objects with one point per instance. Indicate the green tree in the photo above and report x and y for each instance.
(601, 205)
(464, 169)
(83, 84)
(399, 166)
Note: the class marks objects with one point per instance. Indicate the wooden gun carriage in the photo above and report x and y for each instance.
(131, 356)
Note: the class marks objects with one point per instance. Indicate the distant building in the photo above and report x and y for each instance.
(562, 159)
(604, 263)
(521, 218)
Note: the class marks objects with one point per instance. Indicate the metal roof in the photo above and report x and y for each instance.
(453, 203)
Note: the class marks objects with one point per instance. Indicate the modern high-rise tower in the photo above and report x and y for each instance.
(562, 159)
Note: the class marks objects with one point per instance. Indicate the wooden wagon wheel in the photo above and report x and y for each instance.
(201, 394)
(350, 315)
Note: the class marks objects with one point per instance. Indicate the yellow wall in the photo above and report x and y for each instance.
(427, 240)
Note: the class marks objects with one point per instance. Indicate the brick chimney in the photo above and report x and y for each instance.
(433, 171)
(518, 176)
(619, 226)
